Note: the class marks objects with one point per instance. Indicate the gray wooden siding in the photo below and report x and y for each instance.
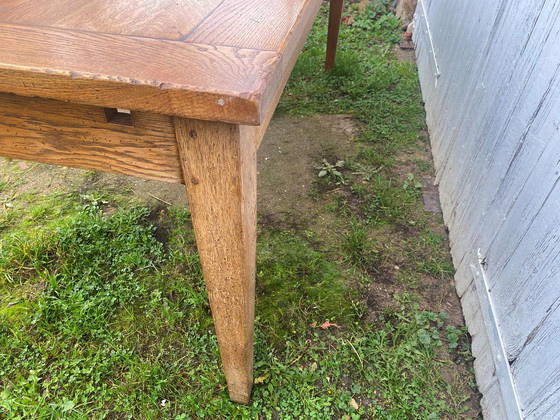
(490, 77)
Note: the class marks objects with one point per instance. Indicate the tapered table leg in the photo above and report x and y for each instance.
(219, 169)
(335, 18)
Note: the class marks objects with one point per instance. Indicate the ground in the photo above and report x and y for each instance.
(103, 311)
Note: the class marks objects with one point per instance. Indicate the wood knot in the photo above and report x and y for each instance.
(192, 134)
(195, 180)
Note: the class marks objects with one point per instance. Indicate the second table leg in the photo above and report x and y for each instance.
(219, 169)
(335, 17)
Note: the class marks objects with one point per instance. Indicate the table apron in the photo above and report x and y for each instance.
(61, 133)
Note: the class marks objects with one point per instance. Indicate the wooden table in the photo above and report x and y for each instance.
(172, 90)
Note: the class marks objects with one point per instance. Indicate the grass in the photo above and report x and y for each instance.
(104, 314)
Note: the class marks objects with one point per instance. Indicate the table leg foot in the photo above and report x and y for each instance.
(219, 169)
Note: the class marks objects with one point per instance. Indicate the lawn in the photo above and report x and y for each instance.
(104, 314)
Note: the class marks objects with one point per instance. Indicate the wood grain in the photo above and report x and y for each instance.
(65, 134)
(204, 82)
(255, 24)
(226, 65)
(165, 19)
(219, 166)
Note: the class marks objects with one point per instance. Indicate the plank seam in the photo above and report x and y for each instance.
(204, 19)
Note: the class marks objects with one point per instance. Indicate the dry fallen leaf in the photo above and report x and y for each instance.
(354, 404)
(328, 324)
(260, 379)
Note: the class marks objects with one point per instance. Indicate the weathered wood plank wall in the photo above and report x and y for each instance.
(490, 77)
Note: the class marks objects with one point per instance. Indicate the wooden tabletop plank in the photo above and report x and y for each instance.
(168, 77)
(165, 19)
(250, 23)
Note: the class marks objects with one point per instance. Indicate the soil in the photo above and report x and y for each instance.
(288, 159)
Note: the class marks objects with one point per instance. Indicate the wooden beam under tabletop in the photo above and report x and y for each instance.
(60, 133)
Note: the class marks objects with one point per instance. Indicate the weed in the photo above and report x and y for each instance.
(90, 175)
(376, 19)
(411, 183)
(383, 202)
(367, 172)
(430, 254)
(39, 212)
(7, 216)
(357, 246)
(453, 334)
(423, 165)
(332, 171)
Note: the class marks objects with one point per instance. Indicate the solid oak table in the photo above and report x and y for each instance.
(172, 90)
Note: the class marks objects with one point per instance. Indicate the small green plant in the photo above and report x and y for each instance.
(93, 201)
(411, 183)
(40, 211)
(90, 175)
(332, 171)
(374, 11)
(423, 165)
(384, 202)
(430, 324)
(358, 247)
(453, 334)
(7, 215)
(367, 172)
(430, 253)
(458, 338)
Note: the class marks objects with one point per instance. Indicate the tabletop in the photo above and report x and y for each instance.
(220, 60)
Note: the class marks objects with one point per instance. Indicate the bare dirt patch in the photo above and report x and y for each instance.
(292, 149)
